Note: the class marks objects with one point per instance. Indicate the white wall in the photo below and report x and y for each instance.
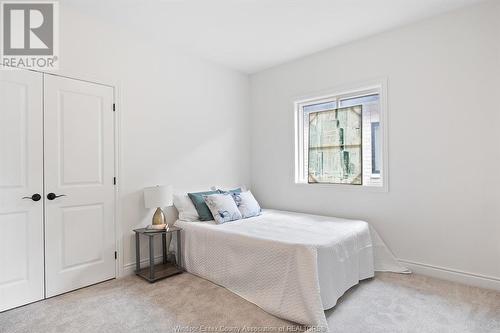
(184, 121)
(442, 208)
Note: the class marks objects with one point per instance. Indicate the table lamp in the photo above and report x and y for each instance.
(157, 197)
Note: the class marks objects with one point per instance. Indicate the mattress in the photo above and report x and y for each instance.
(291, 265)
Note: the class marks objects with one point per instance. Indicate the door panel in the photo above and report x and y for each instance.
(82, 225)
(21, 175)
(79, 163)
(15, 268)
(82, 134)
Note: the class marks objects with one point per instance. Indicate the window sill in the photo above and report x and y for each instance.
(345, 187)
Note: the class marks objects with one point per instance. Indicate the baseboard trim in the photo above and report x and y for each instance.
(129, 269)
(477, 280)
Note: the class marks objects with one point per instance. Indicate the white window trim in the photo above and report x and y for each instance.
(351, 90)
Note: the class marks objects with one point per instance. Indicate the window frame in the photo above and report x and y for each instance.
(375, 172)
(354, 90)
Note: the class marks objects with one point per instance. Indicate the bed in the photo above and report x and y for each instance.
(292, 265)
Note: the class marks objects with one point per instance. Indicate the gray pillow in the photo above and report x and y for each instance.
(200, 205)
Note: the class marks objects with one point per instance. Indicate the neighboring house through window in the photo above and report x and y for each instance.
(339, 139)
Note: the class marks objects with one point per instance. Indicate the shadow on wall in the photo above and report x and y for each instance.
(132, 208)
(171, 214)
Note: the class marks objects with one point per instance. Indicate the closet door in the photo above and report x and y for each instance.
(79, 190)
(21, 167)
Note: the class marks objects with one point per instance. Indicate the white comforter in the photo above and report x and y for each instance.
(291, 265)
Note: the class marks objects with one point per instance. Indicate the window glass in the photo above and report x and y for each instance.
(376, 154)
(340, 140)
(359, 100)
(335, 154)
(329, 105)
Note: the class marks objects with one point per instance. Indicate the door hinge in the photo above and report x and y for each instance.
(114, 180)
(114, 107)
(116, 255)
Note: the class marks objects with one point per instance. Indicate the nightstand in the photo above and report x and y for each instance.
(165, 269)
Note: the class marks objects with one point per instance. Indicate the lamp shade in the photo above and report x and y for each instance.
(158, 196)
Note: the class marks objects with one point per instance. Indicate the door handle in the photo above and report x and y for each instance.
(34, 197)
(52, 196)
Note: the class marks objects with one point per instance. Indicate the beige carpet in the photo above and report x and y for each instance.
(415, 303)
(387, 303)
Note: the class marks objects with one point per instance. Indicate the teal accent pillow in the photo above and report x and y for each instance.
(200, 205)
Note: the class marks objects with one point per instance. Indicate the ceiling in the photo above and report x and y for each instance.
(252, 35)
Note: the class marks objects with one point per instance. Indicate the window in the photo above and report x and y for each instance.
(339, 139)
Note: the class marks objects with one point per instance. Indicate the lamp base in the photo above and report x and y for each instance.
(157, 227)
(158, 217)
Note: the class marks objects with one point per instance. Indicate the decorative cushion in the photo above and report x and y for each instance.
(185, 207)
(228, 188)
(223, 207)
(246, 203)
(200, 205)
(236, 190)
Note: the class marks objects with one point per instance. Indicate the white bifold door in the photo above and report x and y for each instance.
(56, 186)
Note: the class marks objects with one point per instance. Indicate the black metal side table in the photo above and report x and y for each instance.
(165, 269)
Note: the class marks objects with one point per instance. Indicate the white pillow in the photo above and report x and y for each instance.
(187, 211)
(247, 204)
(222, 207)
